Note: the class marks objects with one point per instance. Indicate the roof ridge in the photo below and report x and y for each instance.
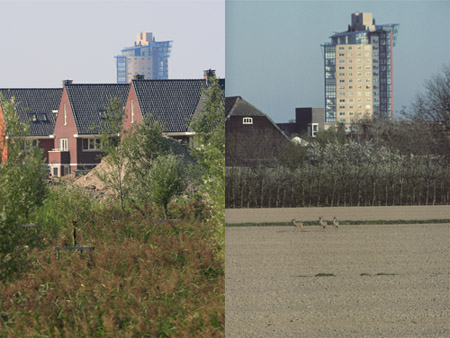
(97, 84)
(162, 80)
(31, 88)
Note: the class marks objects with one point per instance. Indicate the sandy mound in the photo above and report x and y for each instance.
(93, 183)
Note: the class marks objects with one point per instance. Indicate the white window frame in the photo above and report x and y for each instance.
(64, 144)
(247, 120)
(65, 115)
(93, 144)
(132, 111)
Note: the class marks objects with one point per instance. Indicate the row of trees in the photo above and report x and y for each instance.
(404, 162)
(350, 174)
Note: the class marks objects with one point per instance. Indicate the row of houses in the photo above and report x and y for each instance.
(66, 122)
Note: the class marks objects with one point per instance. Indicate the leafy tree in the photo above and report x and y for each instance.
(22, 188)
(166, 179)
(111, 146)
(209, 151)
(156, 164)
(331, 135)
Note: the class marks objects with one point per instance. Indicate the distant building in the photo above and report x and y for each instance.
(251, 137)
(147, 57)
(308, 121)
(359, 71)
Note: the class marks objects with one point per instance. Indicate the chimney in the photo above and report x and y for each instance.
(138, 77)
(208, 75)
(67, 82)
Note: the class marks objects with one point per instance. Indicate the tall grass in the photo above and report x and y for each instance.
(144, 278)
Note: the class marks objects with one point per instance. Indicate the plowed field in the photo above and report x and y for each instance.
(358, 281)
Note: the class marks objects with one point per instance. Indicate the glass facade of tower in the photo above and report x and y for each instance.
(358, 71)
(150, 60)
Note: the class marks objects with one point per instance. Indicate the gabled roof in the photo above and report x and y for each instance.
(237, 106)
(35, 106)
(173, 102)
(229, 103)
(88, 101)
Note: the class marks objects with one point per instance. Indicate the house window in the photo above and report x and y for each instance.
(63, 144)
(132, 111)
(247, 120)
(65, 115)
(91, 144)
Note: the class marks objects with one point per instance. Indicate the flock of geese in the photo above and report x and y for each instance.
(322, 223)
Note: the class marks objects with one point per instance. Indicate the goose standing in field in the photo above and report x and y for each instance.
(322, 223)
(297, 224)
(335, 222)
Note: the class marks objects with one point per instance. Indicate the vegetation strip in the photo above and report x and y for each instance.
(369, 222)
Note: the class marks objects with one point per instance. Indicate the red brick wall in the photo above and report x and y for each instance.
(137, 112)
(46, 145)
(66, 131)
(86, 157)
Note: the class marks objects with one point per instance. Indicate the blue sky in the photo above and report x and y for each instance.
(44, 42)
(274, 59)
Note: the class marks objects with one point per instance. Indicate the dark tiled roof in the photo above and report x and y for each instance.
(237, 106)
(88, 100)
(229, 103)
(172, 102)
(35, 105)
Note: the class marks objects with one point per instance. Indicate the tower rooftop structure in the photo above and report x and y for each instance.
(147, 57)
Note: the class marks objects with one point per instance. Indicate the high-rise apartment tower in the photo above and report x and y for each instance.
(359, 71)
(147, 57)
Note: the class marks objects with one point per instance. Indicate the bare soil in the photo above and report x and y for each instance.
(358, 281)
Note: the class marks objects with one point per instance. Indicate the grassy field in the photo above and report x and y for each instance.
(371, 281)
(271, 215)
(144, 278)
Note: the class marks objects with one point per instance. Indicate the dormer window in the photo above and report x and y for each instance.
(102, 114)
(247, 120)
